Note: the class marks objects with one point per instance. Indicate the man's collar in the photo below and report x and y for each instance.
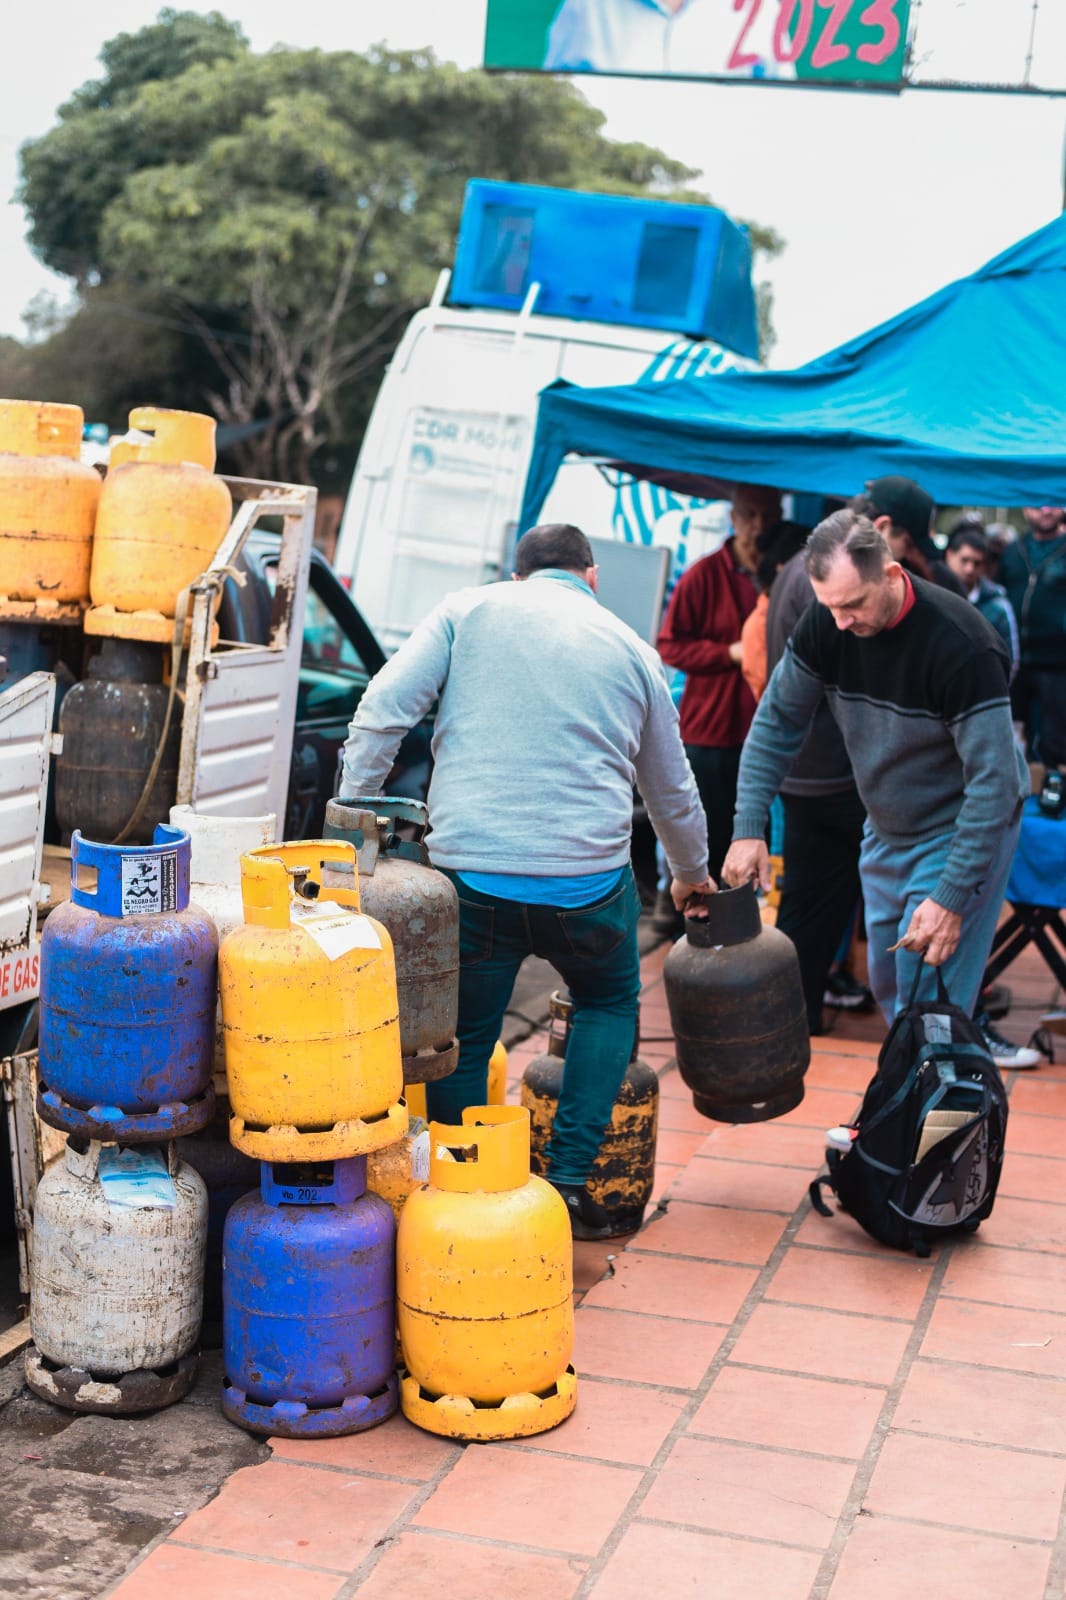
(561, 575)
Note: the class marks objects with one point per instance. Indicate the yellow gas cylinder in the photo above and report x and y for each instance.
(484, 1285)
(498, 1075)
(310, 1017)
(401, 1168)
(777, 879)
(415, 1093)
(162, 512)
(48, 501)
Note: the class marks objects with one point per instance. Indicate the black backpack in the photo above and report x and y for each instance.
(927, 1152)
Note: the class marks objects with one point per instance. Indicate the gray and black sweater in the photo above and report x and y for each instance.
(925, 715)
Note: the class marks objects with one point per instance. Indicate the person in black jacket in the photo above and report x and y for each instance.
(1033, 572)
(823, 829)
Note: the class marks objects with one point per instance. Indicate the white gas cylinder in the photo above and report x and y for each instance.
(117, 1268)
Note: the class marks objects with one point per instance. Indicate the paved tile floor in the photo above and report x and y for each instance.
(771, 1406)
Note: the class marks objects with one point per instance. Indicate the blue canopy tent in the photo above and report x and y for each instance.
(966, 392)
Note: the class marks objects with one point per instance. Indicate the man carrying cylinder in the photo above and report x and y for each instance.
(550, 711)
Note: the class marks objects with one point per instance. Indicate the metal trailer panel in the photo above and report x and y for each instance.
(33, 1146)
(240, 700)
(26, 746)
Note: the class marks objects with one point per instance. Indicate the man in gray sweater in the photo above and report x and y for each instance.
(916, 681)
(550, 710)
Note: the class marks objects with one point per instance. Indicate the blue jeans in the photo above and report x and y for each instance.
(594, 950)
(895, 881)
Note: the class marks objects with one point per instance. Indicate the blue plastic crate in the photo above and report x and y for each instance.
(607, 258)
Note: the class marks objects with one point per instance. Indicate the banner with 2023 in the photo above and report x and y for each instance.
(843, 42)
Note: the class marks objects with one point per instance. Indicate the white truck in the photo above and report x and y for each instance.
(435, 498)
(547, 284)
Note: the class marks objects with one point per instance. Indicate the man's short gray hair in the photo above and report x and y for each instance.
(848, 531)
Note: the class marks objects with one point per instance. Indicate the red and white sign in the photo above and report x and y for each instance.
(20, 975)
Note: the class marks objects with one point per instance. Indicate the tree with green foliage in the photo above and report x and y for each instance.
(286, 212)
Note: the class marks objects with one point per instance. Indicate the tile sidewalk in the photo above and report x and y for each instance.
(771, 1406)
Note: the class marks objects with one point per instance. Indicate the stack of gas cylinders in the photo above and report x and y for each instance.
(115, 557)
(128, 986)
(339, 994)
(297, 1027)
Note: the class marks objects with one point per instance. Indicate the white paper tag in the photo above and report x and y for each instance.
(335, 929)
(149, 883)
(136, 1180)
(420, 1157)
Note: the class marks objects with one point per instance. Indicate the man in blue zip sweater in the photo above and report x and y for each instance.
(917, 681)
(550, 710)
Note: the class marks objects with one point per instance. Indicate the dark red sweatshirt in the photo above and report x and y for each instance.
(703, 619)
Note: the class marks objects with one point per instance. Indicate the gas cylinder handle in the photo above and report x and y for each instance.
(494, 1144)
(392, 809)
(560, 1021)
(172, 437)
(59, 429)
(283, 1184)
(266, 889)
(731, 917)
(133, 880)
(397, 810)
(40, 428)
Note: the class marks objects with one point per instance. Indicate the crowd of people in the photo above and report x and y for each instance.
(882, 689)
(885, 779)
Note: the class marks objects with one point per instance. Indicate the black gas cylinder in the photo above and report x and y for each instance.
(737, 1012)
(623, 1174)
(111, 723)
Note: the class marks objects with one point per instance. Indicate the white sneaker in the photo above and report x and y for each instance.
(1013, 1057)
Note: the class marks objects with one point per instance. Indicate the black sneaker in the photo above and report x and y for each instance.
(588, 1219)
(845, 993)
(1015, 1057)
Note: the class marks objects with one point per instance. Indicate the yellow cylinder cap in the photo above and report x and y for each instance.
(267, 873)
(176, 436)
(493, 1146)
(40, 428)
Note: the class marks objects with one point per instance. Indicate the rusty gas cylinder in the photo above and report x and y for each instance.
(623, 1174)
(737, 1012)
(420, 908)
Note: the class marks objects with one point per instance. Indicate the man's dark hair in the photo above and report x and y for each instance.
(864, 506)
(555, 544)
(774, 547)
(854, 534)
(968, 533)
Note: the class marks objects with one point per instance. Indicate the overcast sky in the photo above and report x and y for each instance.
(881, 199)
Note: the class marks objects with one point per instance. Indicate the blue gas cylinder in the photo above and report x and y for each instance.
(129, 979)
(309, 1303)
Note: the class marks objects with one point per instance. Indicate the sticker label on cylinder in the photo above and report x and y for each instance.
(149, 883)
(420, 1157)
(136, 1180)
(335, 929)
